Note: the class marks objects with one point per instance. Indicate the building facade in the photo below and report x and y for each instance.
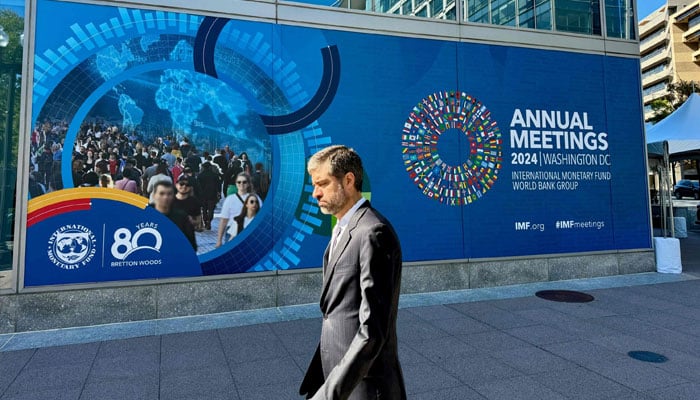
(668, 45)
(490, 137)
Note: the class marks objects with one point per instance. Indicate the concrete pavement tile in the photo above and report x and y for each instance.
(636, 374)
(479, 369)
(125, 347)
(626, 343)
(578, 383)
(545, 315)
(623, 323)
(661, 318)
(529, 360)
(692, 329)
(11, 363)
(298, 337)
(487, 342)
(410, 328)
(201, 382)
(498, 318)
(224, 395)
(432, 313)
(671, 339)
(475, 308)
(407, 355)
(191, 358)
(263, 372)
(516, 388)
(585, 310)
(683, 365)
(618, 306)
(461, 326)
(427, 377)
(251, 343)
(541, 334)
(60, 355)
(692, 313)
(65, 376)
(455, 393)
(143, 388)
(189, 340)
(274, 391)
(519, 304)
(584, 353)
(688, 391)
(584, 329)
(129, 366)
(439, 349)
(47, 394)
(622, 394)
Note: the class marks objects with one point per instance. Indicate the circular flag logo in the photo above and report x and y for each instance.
(452, 148)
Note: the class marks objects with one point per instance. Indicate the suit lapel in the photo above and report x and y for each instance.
(343, 241)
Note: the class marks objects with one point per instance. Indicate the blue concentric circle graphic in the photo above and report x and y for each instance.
(70, 79)
(453, 183)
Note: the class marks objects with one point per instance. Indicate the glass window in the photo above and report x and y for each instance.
(407, 7)
(11, 29)
(578, 16)
(478, 11)
(694, 21)
(617, 17)
(503, 12)
(653, 89)
(526, 13)
(655, 70)
(654, 53)
(436, 7)
(451, 13)
(543, 14)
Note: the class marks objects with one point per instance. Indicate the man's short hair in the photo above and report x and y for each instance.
(165, 184)
(342, 160)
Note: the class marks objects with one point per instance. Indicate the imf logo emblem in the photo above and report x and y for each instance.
(71, 247)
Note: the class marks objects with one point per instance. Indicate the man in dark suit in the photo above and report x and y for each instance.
(357, 357)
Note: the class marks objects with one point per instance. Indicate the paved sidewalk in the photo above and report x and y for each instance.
(496, 343)
(492, 343)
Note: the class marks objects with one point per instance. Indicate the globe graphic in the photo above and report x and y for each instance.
(72, 248)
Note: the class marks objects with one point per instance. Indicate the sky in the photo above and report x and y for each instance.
(645, 7)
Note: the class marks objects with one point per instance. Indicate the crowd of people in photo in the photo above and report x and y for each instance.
(181, 181)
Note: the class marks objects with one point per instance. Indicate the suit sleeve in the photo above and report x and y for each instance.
(378, 252)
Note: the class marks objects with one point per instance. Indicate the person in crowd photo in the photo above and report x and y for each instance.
(106, 181)
(127, 183)
(261, 181)
(210, 185)
(248, 212)
(232, 207)
(163, 197)
(161, 175)
(187, 202)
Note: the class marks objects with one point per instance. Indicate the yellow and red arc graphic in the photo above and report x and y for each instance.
(78, 199)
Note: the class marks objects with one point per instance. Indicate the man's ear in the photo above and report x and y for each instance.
(349, 179)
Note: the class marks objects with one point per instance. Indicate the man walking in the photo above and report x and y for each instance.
(357, 357)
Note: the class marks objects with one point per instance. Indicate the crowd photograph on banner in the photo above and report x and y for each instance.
(217, 186)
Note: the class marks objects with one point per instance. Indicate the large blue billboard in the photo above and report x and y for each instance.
(471, 150)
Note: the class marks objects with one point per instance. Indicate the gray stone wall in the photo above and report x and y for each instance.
(81, 307)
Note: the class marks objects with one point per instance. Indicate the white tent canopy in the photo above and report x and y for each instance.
(681, 129)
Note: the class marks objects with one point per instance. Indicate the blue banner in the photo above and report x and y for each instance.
(471, 150)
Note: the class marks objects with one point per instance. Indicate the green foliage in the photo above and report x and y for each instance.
(678, 93)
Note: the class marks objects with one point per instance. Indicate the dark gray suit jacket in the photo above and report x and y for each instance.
(357, 357)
